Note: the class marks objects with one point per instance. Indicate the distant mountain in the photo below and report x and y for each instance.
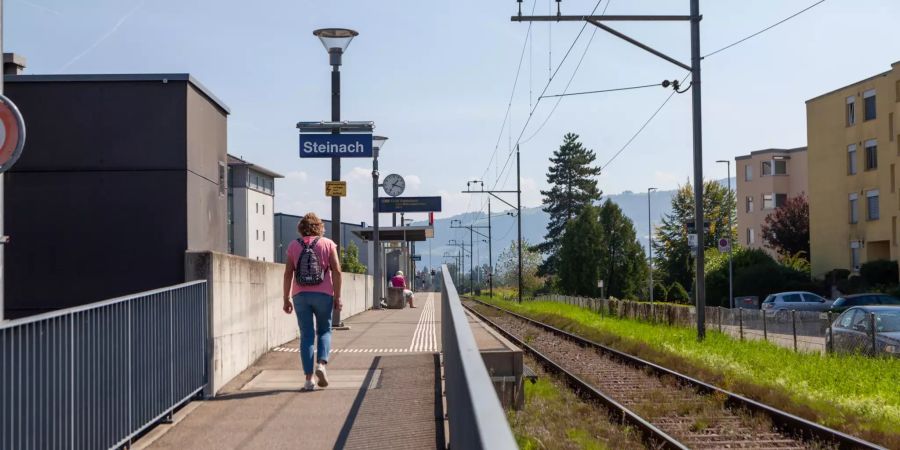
(534, 226)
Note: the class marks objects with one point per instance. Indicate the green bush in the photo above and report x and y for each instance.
(879, 272)
(756, 274)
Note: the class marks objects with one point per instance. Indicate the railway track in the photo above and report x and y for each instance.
(672, 410)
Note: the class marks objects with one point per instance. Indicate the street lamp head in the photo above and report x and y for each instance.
(336, 41)
(650, 189)
(378, 142)
(723, 161)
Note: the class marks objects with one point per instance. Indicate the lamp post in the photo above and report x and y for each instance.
(650, 245)
(335, 41)
(377, 143)
(730, 240)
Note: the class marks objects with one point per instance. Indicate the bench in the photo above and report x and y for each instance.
(395, 299)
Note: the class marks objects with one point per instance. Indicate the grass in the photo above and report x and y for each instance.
(855, 394)
(554, 418)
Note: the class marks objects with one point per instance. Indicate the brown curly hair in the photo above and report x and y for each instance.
(311, 225)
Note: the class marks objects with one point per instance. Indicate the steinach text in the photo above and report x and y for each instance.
(331, 148)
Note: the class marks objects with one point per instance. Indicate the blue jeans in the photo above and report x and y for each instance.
(307, 305)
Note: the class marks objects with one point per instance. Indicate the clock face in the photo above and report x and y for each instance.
(394, 185)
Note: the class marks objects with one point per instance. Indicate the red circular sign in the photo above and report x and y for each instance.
(12, 133)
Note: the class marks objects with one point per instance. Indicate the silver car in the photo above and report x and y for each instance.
(781, 304)
(851, 332)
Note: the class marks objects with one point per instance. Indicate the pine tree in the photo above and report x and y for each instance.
(573, 186)
(580, 254)
(623, 266)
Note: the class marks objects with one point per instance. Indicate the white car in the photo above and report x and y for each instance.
(781, 304)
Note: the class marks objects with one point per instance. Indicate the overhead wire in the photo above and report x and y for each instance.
(764, 29)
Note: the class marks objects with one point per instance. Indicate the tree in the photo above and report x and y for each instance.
(580, 254)
(508, 267)
(350, 259)
(623, 265)
(674, 260)
(573, 186)
(786, 230)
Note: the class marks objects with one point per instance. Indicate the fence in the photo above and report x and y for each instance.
(476, 419)
(97, 375)
(802, 331)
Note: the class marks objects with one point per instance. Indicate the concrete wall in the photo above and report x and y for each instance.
(246, 319)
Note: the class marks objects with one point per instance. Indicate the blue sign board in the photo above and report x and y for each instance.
(321, 145)
(408, 204)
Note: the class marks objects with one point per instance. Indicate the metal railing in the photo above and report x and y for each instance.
(474, 413)
(97, 375)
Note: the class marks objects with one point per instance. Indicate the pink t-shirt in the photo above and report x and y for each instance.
(324, 248)
(398, 281)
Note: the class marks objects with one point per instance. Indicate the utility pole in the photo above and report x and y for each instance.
(650, 245)
(462, 246)
(490, 254)
(518, 208)
(694, 19)
(455, 223)
(730, 239)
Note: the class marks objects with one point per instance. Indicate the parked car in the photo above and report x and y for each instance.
(851, 332)
(781, 304)
(847, 301)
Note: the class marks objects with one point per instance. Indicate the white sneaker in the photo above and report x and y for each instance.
(309, 386)
(321, 375)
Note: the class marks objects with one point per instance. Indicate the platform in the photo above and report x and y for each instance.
(385, 393)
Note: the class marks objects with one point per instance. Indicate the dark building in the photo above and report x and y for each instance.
(120, 176)
(286, 231)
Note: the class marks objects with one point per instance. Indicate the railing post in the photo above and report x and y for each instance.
(765, 326)
(719, 317)
(741, 322)
(794, 327)
(873, 334)
(829, 348)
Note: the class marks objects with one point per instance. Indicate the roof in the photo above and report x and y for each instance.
(770, 150)
(407, 234)
(882, 74)
(162, 77)
(876, 308)
(235, 161)
(867, 295)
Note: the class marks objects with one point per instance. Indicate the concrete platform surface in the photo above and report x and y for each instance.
(384, 394)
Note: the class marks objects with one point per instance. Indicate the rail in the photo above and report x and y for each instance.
(96, 376)
(474, 413)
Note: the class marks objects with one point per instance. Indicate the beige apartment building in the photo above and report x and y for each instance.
(853, 152)
(765, 180)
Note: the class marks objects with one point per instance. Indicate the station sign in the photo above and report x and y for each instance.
(416, 257)
(327, 145)
(408, 204)
(335, 188)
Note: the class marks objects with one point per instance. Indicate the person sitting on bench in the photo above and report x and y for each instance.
(399, 281)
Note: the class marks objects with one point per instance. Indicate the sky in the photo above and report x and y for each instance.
(437, 79)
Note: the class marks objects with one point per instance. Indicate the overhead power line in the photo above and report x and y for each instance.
(765, 29)
(605, 90)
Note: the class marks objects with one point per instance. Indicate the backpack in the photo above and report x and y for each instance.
(308, 271)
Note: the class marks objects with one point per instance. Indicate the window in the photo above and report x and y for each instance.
(750, 204)
(257, 235)
(264, 209)
(780, 200)
(766, 168)
(854, 215)
(792, 298)
(869, 104)
(851, 159)
(748, 172)
(780, 167)
(871, 154)
(257, 208)
(872, 212)
(854, 258)
(768, 201)
(851, 110)
(222, 178)
(264, 235)
(751, 238)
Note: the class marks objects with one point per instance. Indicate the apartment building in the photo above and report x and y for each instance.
(853, 151)
(251, 204)
(765, 180)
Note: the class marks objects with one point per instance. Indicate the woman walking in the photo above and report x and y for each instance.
(312, 279)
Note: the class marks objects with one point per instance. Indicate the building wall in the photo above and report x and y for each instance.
(830, 185)
(260, 225)
(103, 202)
(793, 183)
(207, 146)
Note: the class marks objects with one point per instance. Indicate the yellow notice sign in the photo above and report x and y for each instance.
(335, 188)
